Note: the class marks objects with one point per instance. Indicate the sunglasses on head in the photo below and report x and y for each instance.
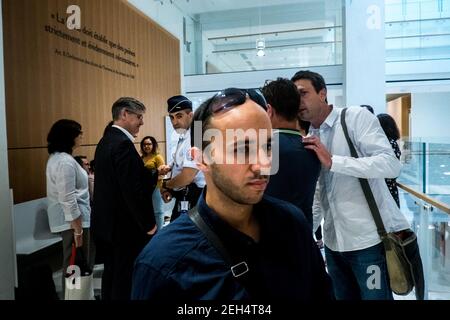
(227, 99)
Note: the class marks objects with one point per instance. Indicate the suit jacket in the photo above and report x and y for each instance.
(123, 210)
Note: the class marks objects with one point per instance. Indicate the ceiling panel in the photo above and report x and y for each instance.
(202, 6)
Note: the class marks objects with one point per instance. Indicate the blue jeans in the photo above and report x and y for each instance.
(360, 274)
(158, 204)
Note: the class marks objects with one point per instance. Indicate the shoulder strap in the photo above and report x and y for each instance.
(237, 269)
(364, 183)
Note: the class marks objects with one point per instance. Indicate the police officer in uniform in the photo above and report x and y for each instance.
(186, 181)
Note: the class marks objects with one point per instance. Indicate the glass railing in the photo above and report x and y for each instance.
(413, 159)
(280, 49)
(425, 201)
(319, 45)
(430, 219)
(426, 167)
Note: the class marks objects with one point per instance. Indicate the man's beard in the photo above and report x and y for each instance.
(180, 130)
(224, 184)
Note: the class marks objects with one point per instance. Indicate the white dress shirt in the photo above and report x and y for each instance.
(129, 135)
(348, 222)
(67, 192)
(181, 159)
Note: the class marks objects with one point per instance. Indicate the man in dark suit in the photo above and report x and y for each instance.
(298, 168)
(122, 220)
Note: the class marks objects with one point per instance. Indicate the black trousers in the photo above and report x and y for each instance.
(118, 269)
(413, 254)
(193, 193)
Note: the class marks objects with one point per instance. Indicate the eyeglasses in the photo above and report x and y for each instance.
(138, 115)
(227, 99)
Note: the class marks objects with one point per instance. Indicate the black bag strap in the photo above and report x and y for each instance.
(237, 269)
(365, 184)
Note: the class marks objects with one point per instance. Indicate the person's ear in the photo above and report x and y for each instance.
(197, 156)
(270, 111)
(323, 95)
(123, 114)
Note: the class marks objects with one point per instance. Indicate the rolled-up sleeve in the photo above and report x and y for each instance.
(66, 186)
(376, 157)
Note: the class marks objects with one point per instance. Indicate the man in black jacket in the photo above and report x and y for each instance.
(299, 168)
(122, 219)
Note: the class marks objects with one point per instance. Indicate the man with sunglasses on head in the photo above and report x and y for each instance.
(237, 243)
(186, 181)
(122, 221)
(299, 168)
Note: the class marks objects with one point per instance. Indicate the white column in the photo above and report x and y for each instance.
(7, 256)
(364, 54)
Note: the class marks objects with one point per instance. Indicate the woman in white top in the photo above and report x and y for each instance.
(67, 191)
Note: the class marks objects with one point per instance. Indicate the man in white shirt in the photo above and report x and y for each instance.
(186, 181)
(354, 252)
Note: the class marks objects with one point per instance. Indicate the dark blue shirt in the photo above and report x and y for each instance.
(179, 263)
(297, 175)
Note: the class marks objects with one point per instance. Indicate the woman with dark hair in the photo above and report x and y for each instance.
(152, 160)
(67, 191)
(393, 134)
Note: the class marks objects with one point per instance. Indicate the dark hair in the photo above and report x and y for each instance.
(304, 125)
(128, 103)
(62, 134)
(92, 165)
(202, 114)
(79, 159)
(283, 96)
(316, 79)
(154, 145)
(389, 126)
(367, 107)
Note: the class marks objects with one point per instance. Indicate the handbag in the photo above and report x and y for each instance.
(402, 251)
(79, 277)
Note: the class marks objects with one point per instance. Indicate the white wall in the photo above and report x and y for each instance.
(254, 79)
(201, 87)
(418, 70)
(430, 116)
(364, 54)
(7, 256)
(170, 18)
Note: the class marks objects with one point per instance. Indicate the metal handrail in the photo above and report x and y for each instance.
(436, 203)
(279, 46)
(271, 32)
